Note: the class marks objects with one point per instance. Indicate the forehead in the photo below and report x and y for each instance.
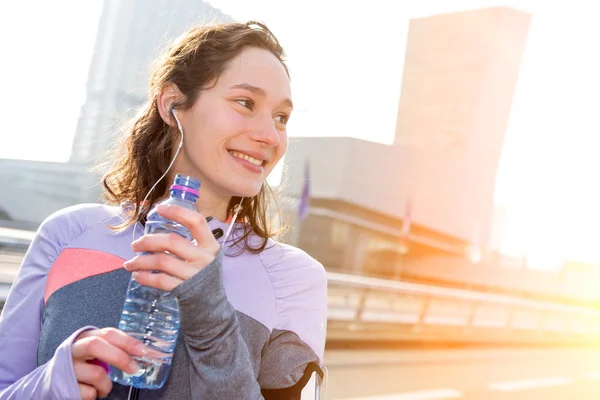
(260, 68)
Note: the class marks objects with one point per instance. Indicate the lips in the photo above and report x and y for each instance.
(252, 157)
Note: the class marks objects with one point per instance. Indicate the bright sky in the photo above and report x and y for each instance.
(46, 50)
(346, 64)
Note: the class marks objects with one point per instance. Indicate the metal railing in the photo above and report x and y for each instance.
(405, 310)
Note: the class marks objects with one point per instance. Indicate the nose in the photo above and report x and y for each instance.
(266, 132)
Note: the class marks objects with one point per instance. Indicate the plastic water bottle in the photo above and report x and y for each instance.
(152, 315)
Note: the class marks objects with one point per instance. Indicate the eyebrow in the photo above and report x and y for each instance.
(260, 92)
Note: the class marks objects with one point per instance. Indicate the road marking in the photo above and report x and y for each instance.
(511, 386)
(435, 394)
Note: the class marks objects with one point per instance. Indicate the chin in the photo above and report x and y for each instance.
(246, 190)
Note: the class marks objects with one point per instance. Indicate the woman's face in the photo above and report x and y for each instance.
(235, 132)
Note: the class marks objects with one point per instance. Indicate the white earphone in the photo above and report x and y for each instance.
(237, 208)
(174, 113)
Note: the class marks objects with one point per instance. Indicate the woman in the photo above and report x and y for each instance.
(253, 311)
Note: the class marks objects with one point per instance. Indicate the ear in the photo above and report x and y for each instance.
(169, 97)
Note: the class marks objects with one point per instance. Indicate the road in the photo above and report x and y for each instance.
(486, 374)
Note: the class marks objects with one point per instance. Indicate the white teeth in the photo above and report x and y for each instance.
(246, 157)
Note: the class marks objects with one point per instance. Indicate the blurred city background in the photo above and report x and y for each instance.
(447, 149)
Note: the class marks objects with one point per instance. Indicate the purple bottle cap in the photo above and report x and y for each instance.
(185, 189)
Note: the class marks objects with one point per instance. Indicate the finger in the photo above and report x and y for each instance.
(161, 242)
(117, 338)
(168, 264)
(159, 281)
(87, 392)
(96, 347)
(101, 364)
(194, 221)
(161, 263)
(93, 375)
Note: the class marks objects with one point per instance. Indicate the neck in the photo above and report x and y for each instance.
(213, 206)
(211, 202)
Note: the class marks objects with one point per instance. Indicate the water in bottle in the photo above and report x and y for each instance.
(152, 315)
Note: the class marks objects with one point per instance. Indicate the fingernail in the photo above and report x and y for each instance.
(135, 275)
(133, 367)
(131, 260)
(141, 349)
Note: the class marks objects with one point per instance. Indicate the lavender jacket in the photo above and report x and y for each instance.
(252, 324)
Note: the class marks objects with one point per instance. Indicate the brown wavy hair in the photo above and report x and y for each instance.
(193, 63)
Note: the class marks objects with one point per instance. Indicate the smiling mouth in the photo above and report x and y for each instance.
(250, 159)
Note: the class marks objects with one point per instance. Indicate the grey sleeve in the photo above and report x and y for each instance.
(297, 342)
(220, 362)
(284, 364)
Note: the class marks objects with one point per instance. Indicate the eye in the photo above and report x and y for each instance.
(282, 118)
(246, 103)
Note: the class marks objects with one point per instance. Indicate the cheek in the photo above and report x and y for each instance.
(230, 120)
(227, 127)
(283, 146)
(220, 124)
(279, 153)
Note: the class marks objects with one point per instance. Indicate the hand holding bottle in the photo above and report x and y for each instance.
(93, 349)
(190, 258)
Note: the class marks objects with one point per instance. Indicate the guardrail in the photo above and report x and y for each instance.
(15, 239)
(380, 309)
(365, 308)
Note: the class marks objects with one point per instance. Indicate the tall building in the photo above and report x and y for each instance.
(130, 35)
(460, 74)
